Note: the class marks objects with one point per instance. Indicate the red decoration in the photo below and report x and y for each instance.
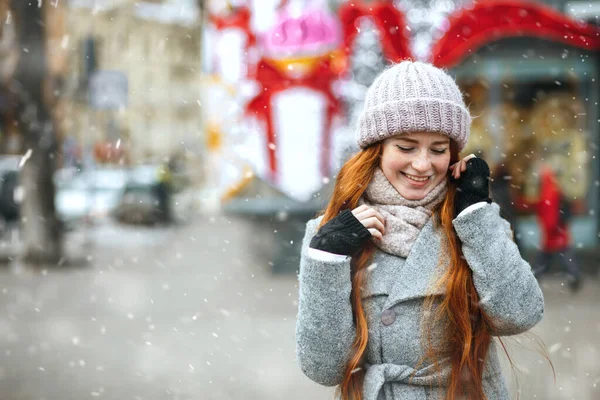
(491, 20)
(273, 81)
(390, 23)
(240, 19)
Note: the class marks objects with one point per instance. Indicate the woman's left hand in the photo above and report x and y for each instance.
(471, 176)
(460, 166)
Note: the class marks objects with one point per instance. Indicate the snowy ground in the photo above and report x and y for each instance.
(192, 312)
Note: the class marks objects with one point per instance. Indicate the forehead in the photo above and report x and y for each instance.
(421, 137)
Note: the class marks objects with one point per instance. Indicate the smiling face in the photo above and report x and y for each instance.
(415, 163)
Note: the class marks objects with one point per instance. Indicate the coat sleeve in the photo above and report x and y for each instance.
(324, 328)
(508, 291)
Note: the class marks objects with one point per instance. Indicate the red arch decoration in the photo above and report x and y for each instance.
(491, 20)
(390, 23)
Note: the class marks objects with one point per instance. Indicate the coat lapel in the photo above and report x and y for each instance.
(421, 270)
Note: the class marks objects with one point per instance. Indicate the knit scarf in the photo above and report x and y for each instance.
(404, 218)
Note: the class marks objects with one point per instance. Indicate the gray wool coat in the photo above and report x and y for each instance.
(393, 301)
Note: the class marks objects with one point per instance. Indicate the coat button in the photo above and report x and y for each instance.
(388, 317)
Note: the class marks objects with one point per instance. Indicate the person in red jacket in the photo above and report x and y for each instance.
(553, 214)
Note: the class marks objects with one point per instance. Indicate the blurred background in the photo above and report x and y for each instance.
(159, 160)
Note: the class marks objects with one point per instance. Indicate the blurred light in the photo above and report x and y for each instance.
(422, 44)
(415, 16)
(370, 58)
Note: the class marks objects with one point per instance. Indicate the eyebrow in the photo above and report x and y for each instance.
(417, 142)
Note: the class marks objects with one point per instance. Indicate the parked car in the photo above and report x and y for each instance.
(80, 196)
(91, 195)
(145, 198)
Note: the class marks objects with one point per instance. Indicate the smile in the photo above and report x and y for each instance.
(416, 178)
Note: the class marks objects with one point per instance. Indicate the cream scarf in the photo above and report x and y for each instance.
(404, 218)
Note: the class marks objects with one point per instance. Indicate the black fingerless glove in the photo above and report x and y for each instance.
(473, 185)
(343, 235)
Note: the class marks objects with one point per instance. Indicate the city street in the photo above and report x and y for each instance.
(193, 312)
(225, 124)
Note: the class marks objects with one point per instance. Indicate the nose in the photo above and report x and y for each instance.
(421, 163)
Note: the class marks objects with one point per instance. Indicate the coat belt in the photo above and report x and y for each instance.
(410, 389)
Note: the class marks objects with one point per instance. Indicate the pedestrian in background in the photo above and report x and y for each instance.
(411, 271)
(554, 215)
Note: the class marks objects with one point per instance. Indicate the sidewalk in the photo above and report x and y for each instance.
(588, 260)
(188, 312)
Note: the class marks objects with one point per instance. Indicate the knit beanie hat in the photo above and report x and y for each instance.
(413, 97)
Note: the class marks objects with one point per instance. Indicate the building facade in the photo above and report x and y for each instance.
(160, 59)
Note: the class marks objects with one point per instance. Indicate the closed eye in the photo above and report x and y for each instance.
(407, 149)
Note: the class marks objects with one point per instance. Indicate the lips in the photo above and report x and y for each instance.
(417, 180)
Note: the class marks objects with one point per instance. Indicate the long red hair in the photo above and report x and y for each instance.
(468, 332)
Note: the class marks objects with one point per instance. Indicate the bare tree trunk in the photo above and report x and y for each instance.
(41, 227)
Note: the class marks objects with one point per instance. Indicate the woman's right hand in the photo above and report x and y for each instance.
(370, 219)
(348, 231)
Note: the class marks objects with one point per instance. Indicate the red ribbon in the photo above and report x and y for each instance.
(389, 21)
(272, 82)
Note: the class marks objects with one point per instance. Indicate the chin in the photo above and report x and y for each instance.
(412, 194)
(416, 197)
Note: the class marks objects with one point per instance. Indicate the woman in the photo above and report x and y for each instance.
(411, 270)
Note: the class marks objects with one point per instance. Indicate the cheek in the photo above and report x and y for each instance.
(393, 164)
(441, 169)
(441, 165)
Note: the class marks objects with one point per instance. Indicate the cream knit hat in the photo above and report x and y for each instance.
(413, 97)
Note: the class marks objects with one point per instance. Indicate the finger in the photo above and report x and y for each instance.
(380, 217)
(375, 233)
(452, 172)
(360, 209)
(370, 212)
(456, 172)
(364, 213)
(463, 167)
(467, 158)
(373, 222)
